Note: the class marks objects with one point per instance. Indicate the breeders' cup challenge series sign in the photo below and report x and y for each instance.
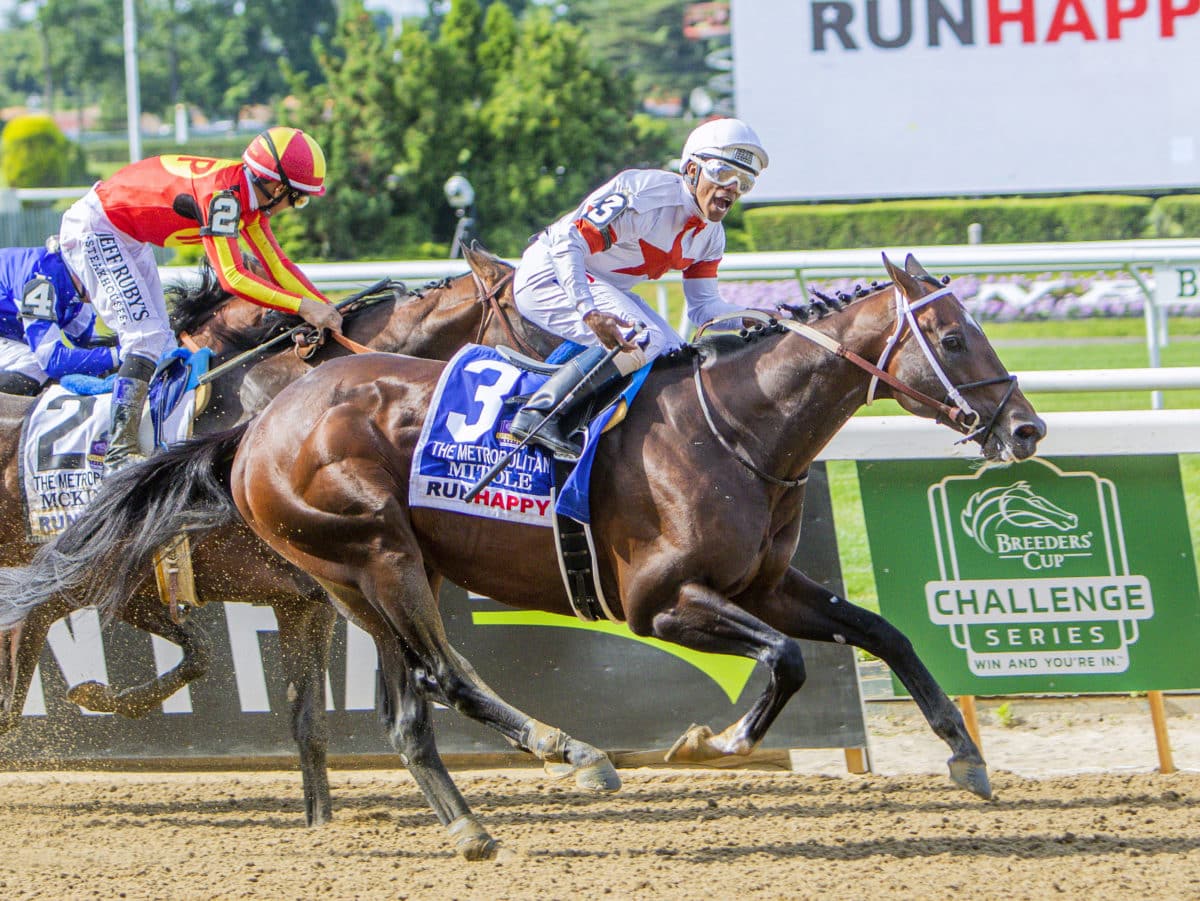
(1065, 575)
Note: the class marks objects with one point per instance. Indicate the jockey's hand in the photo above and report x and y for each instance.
(610, 330)
(320, 315)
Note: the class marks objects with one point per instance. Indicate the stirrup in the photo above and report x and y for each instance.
(550, 438)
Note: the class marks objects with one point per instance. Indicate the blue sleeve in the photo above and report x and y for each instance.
(59, 358)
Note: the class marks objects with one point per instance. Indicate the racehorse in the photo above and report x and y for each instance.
(232, 564)
(695, 514)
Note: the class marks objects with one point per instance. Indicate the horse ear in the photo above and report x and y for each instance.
(484, 263)
(906, 282)
(915, 269)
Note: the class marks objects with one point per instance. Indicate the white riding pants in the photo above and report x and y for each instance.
(120, 276)
(15, 356)
(541, 300)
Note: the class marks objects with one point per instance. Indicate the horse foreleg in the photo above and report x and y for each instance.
(703, 620)
(150, 615)
(20, 650)
(805, 609)
(305, 636)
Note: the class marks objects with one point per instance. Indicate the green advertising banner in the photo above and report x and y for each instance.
(1068, 575)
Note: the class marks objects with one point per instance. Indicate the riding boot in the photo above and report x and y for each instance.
(128, 396)
(536, 412)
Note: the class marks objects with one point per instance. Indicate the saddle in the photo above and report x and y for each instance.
(572, 537)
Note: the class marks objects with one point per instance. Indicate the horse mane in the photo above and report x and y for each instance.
(192, 306)
(819, 306)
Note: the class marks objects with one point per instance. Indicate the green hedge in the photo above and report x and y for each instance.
(36, 153)
(922, 222)
(220, 147)
(1176, 217)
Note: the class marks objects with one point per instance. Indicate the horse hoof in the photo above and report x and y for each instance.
(696, 745)
(971, 776)
(94, 696)
(470, 839)
(600, 776)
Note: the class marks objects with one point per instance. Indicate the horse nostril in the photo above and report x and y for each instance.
(1031, 431)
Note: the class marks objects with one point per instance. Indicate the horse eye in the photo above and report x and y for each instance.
(954, 343)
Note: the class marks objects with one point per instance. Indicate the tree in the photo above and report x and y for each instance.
(519, 106)
(36, 153)
(643, 39)
(356, 116)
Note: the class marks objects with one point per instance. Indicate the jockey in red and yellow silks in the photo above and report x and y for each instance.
(108, 235)
(168, 201)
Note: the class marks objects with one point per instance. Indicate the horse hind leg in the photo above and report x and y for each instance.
(562, 754)
(409, 725)
(454, 680)
(20, 649)
(305, 636)
(148, 614)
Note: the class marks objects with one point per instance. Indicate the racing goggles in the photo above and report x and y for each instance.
(723, 173)
(299, 199)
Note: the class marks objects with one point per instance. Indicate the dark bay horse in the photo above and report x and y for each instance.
(696, 510)
(232, 564)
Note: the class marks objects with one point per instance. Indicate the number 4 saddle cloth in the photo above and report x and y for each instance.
(65, 435)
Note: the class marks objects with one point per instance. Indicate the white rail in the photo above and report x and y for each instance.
(1067, 434)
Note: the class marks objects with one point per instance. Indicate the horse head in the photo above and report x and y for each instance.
(215, 319)
(937, 348)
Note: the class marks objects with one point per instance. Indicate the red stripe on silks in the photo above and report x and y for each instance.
(703, 269)
(594, 237)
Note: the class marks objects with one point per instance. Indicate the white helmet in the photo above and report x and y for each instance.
(731, 140)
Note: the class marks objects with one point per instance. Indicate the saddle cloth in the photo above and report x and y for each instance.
(466, 432)
(65, 435)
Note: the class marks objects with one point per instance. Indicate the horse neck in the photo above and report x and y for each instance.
(432, 324)
(785, 396)
(440, 321)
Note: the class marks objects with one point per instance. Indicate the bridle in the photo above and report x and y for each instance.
(490, 298)
(959, 414)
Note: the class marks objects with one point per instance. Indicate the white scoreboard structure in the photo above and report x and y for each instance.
(918, 98)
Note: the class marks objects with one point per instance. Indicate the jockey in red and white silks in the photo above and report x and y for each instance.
(576, 279)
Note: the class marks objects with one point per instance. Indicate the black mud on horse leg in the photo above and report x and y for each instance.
(815, 613)
(305, 636)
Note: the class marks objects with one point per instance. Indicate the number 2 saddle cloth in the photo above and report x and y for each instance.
(65, 435)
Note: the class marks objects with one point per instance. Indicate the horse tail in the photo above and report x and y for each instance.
(105, 555)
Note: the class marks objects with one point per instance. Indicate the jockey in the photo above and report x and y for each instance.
(173, 200)
(47, 330)
(575, 280)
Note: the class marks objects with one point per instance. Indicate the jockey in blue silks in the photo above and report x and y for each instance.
(47, 329)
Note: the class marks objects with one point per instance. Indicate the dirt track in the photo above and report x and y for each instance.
(667, 834)
(1128, 833)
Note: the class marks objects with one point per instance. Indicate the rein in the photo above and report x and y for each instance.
(377, 293)
(724, 442)
(490, 299)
